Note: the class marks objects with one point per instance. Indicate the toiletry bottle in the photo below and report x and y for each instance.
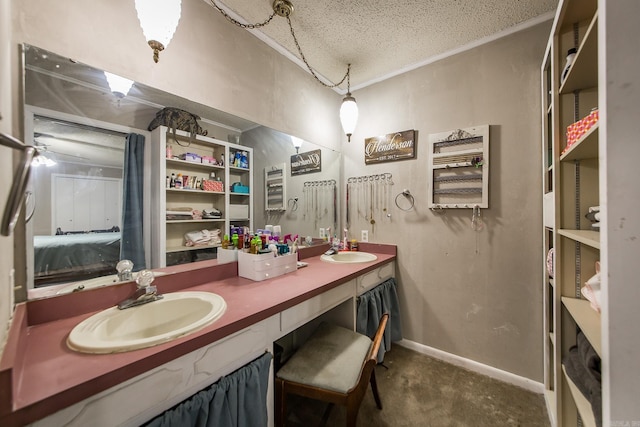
(571, 55)
(178, 183)
(168, 182)
(225, 242)
(172, 181)
(354, 245)
(169, 152)
(221, 159)
(244, 161)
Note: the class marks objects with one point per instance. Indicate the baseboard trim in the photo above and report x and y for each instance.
(474, 366)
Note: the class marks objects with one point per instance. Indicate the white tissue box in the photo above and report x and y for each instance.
(265, 266)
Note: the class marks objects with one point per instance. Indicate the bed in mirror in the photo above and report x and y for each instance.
(74, 219)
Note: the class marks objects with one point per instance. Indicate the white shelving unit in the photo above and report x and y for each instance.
(168, 235)
(570, 185)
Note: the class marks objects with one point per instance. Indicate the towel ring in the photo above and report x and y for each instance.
(409, 197)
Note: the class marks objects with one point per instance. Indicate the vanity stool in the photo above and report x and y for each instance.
(333, 366)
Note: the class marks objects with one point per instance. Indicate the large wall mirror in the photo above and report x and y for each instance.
(74, 219)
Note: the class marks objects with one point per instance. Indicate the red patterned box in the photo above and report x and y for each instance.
(211, 185)
(579, 128)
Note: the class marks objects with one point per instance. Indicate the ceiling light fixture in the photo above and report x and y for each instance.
(297, 143)
(159, 20)
(349, 110)
(118, 85)
(43, 160)
(284, 8)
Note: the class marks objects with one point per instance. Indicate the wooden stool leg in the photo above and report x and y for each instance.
(352, 414)
(280, 403)
(374, 388)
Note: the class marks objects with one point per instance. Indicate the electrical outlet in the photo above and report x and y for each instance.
(322, 233)
(364, 236)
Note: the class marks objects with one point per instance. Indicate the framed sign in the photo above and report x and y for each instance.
(308, 162)
(390, 147)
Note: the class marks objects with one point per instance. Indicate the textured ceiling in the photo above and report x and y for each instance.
(384, 38)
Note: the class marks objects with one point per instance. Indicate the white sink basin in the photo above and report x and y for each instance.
(349, 257)
(97, 282)
(177, 314)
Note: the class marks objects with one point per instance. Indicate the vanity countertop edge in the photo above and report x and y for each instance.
(39, 375)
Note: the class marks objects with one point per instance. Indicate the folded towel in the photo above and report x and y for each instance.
(202, 238)
(593, 216)
(589, 358)
(591, 291)
(582, 365)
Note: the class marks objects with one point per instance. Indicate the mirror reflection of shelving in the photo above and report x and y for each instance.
(199, 195)
(275, 187)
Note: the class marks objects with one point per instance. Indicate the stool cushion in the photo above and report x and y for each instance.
(331, 359)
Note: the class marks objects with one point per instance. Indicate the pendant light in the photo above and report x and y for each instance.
(158, 19)
(349, 109)
(118, 85)
(297, 143)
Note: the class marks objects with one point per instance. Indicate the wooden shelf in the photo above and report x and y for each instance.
(583, 405)
(237, 169)
(588, 237)
(576, 11)
(193, 221)
(173, 249)
(188, 190)
(587, 319)
(581, 75)
(550, 397)
(584, 148)
(185, 163)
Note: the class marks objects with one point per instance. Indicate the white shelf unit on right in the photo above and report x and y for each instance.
(570, 187)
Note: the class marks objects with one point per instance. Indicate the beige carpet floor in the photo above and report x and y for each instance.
(417, 390)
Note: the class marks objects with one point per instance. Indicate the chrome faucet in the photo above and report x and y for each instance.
(145, 292)
(125, 269)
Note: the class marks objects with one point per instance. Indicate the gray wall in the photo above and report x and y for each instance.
(473, 294)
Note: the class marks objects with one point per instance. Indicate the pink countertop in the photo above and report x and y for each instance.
(39, 375)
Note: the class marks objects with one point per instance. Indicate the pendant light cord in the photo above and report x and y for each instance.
(315, 76)
(240, 24)
(295, 39)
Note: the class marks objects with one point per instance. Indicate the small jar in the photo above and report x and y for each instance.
(354, 245)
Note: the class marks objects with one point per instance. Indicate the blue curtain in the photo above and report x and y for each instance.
(371, 306)
(237, 400)
(132, 236)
